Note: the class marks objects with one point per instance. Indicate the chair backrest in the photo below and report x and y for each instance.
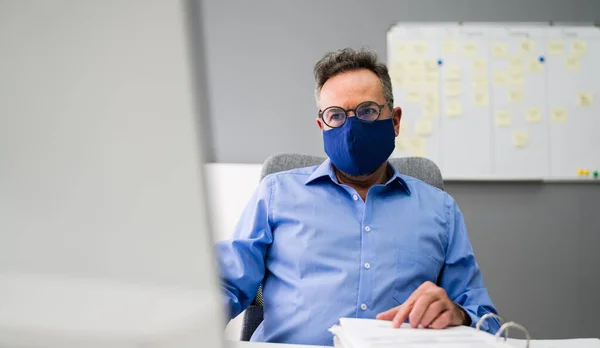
(417, 167)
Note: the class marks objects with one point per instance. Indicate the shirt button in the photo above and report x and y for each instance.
(367, 228)
(363, 307)
(355, 197)
(367, 265)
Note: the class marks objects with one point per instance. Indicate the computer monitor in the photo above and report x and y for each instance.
(104, 238)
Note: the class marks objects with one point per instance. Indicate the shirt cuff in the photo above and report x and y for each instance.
(471, 318)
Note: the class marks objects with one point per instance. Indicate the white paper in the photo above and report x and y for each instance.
(367, 333)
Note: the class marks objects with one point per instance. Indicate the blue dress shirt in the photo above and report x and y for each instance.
(322, 253)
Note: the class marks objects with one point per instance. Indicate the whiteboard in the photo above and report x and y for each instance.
(572, 76)
(498, 101)
(466, 135)
(420, 98)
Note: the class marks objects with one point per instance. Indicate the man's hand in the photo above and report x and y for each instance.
(429, 306)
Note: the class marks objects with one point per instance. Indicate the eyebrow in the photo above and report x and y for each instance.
(352, 109)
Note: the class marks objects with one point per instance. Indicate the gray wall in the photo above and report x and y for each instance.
(535, 242)
(260, 54)
(537, 245)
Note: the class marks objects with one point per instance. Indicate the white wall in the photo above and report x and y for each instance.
(99, 161)
(229, 187)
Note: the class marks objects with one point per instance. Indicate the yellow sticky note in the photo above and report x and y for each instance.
(579, 47)
(515, 64)
(401, 49)
(431, 110)
(432, 79)
(572, 63)
(420, 48)
(516, 79)
(414, 64)
(413, 96)
(430, 65)
(449, 47)
(535, 66)
(415, 77)
(404, 127)
(499, 50)
(431, 104)
(417, 142)
(417, 147)
(503, 118)
(402, 143)
(398, 73)
(479, 65)
(452, 72)
(533, 115)
(583, 172)
(520, 138)
(515, 95)
(585, 99)
(400, 66)
(480, 82)
(395, 75)
(500, 78)
(423, 126)
(469, 48)
(452, 89)
(397, 81)
(430, 97)
(559, 115)
(454, 108)
(555, 48)
(527, 46)
(480, 75)
(481, 98)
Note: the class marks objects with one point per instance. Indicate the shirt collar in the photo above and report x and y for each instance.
(326, 169)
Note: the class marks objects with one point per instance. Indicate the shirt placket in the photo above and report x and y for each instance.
(365, 281)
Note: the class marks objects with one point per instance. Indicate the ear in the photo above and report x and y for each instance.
(396, 116)
(320, 123)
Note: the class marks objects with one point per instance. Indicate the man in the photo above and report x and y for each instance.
(352, 237)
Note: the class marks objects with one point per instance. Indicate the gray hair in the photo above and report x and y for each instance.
(348, 59)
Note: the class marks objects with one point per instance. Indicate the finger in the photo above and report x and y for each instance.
(425, 287)
(407, 306)
(433, 311)
(388, 315)
(405, 309)
(402, 314)
(442, 321)
(418, 310)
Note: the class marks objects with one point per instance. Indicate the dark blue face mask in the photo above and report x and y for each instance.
(359, 148)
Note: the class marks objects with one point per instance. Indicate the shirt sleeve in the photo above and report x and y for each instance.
(461, 276)
(241, 259)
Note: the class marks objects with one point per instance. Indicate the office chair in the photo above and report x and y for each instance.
(417, 167)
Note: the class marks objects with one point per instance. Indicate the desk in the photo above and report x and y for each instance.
(242, 344)
(575, 343)
(578, 343)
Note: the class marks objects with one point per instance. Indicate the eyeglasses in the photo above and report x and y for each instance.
(335, 116)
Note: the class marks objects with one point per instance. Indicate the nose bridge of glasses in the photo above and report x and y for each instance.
(348, 111)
